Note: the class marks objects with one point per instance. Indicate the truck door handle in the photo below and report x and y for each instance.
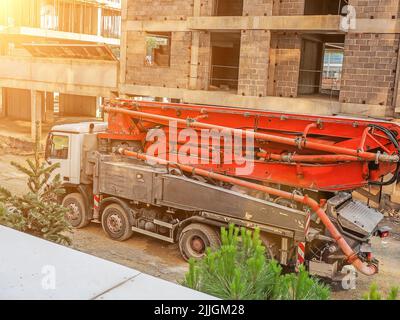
(139, 177)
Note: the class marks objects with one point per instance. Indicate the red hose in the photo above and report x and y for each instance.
(308, 158)
(347, 250)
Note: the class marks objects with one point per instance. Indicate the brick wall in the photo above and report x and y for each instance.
(288, 7)
(257, 7)
(159, 9)
(377, 9)
(369, 69)
(254, 52)
(285, 55)
(166, 9)
(370, 62)
(177, 75)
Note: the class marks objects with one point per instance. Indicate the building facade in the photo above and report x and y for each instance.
(57, 55)
(312, 56)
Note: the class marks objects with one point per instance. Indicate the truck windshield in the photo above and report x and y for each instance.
(59, 147)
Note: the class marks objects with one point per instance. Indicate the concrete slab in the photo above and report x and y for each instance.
(145, 287)
(32, 268)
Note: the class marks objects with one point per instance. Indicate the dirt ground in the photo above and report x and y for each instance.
(163, 260)
(145, 254)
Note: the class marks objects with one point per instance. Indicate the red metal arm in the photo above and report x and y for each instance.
(262, 136)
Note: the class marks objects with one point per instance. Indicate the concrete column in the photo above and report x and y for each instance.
(36, 112)
(113, 95)
(2, 104)
(99, 104)
(99, 21)
(49, 116)
(194, 59)
(200, 59)
(124, 41)
(105, 116)
(254, 52)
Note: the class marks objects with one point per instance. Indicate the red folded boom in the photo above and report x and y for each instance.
(302, 151)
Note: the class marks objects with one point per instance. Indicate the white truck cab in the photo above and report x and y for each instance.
(66, 145)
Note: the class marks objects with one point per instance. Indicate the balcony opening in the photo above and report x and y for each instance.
(111, 24)
(86, 17)
(321, 65)
(224, 73)
(158, 49)
(323, 7)
(48, 17)
(228, 8)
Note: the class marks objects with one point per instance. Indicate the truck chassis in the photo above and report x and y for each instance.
(167, 204)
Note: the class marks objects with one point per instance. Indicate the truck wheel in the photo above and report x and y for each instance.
(195, 239)
(271, 244)
(77, 214)
(115, 222)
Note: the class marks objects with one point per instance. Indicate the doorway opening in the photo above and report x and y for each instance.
(321, 65)
(225, 58)
(324, 7)
(228, 8)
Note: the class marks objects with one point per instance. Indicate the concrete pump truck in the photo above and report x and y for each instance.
(298, 191)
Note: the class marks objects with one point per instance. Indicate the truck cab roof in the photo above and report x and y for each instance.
(82, 127)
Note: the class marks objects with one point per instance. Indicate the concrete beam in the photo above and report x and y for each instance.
(367, 110)
(62, 88)
(295, 105)
(324, 23)
(107, 4)
(168, 25)
(296, 23)
(59, 35)
(73, 76)
(377, 26)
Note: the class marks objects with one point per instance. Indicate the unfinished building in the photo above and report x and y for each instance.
(287, 55)
(57, 56)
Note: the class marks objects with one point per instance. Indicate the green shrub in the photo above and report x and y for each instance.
(37, 212)
(374, 293)
(301, 287)
(239, 270)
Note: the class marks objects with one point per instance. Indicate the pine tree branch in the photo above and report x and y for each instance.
(4, 193)
(22, 169)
